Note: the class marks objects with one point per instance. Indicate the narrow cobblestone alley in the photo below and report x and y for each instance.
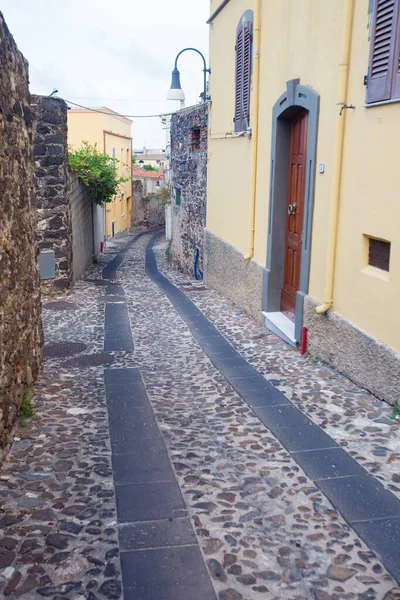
(181, 451)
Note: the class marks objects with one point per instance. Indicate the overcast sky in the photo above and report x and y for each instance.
(115, 53)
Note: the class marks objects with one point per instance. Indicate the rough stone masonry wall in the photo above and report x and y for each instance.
(20, 307)
(52, 187)
(189, 171)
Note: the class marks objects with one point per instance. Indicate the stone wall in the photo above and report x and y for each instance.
(20, 307)
(238, 280)
(365, 360)
(189, 132)
(68, 223)
(82, 211)
(51, 186)
(148, 211)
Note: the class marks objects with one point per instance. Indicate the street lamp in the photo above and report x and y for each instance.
(176, 91)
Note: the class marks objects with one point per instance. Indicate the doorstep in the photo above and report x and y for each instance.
(279, 324)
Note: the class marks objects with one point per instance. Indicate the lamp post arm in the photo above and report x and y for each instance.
(205, 70)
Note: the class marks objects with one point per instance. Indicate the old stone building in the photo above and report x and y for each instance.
(20, 308)
(189, 129)
(148, 196)
(69, 224)
(51, 185)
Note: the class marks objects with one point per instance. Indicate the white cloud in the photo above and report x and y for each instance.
(119, 54)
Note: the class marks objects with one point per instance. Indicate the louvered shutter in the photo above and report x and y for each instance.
(239, 80)
(243, 76)
(246, 75)
(396, 70)
(383, 48)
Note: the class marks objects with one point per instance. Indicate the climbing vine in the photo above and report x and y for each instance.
(97, 170)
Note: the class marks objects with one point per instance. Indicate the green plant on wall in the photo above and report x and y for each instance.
(26, 408)
(97, 171)
(150, 168)
(134, 159)
(395, 411)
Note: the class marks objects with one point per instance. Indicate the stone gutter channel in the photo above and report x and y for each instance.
(158, 547)
(371, 510)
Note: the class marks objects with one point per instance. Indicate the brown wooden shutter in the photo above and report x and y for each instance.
(248, 38)
(396, 70)
(382, 53)
(243, 76)
(239, 80)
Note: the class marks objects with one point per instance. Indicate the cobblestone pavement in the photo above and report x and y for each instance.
(264, 529)
(358, 421)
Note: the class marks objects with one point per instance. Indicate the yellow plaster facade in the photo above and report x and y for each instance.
(111, 132)
(304, 39)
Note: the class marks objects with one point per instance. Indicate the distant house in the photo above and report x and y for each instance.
(149, 156)
(148, 210)
(111, 132)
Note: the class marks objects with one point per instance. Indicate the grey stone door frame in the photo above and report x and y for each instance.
(296, 97)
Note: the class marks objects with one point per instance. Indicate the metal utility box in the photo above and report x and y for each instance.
(47, 264)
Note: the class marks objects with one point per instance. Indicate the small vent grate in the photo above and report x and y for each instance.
(379, 254)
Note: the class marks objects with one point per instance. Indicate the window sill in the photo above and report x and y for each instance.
(231, 134)
(382, 103)
(375, 272)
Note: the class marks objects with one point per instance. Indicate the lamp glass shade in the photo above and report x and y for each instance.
(175, 91)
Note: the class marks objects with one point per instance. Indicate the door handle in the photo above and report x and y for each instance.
(292, 208)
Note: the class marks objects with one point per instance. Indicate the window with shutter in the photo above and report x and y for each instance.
(244, 41)
(384, 61)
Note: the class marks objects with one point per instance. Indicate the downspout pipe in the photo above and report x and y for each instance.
(254, 127)
(338, 161)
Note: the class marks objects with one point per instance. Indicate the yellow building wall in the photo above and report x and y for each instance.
(303, 39)
(368, 297)
(304, 43)
(119, 210)
(85, 127)
(229, 160)
(300, 40)
(105, 130)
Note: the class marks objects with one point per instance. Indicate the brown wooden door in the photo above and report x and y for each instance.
(294, 213)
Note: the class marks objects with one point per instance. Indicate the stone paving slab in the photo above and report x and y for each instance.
(117, 335)
(167, 573)
(156, 534)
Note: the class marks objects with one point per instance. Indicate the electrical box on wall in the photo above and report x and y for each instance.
(47, 264)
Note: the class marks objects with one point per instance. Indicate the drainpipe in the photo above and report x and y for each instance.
(337, 166)
(254, 128)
